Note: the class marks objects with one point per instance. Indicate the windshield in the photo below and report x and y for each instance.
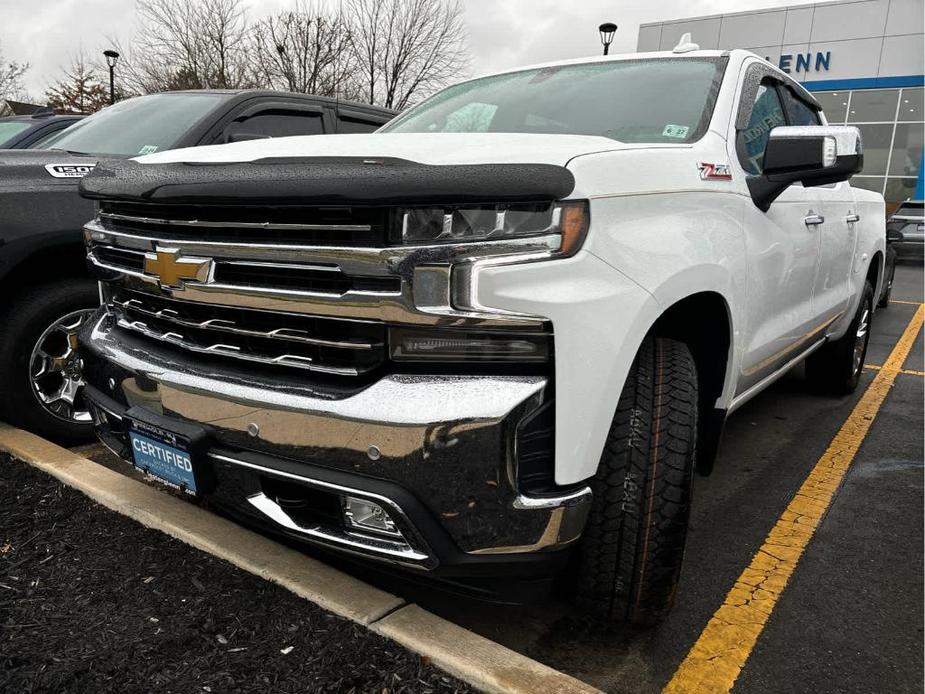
(10, 129)
(143, 125)
(647, 100)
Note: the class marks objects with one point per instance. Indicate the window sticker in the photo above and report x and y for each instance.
(672, 130)
(148, 149)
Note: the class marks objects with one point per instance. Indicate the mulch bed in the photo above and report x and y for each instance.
(94, 602)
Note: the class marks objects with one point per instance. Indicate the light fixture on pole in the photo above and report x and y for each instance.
(607, 29)
(111, 59)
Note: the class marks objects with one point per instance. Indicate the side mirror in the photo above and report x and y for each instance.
(814, 155)
(894, 235)
(244, 137)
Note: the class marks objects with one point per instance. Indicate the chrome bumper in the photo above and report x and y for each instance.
(448, 441)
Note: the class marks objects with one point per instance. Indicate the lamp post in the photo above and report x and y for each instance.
(111, 59)
(607, 29)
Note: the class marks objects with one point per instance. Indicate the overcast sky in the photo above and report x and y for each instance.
(502, 33)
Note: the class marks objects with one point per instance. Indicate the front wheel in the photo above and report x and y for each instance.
(629, 557)
(835, 368)
(40, 373)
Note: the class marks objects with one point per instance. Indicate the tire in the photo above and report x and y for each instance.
(32, 316)
(885, 298)
(629, 557)
(835, 368)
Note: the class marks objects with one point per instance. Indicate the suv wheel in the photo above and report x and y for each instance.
(39, 365)
(629, 557)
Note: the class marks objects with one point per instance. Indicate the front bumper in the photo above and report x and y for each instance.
(439, 453)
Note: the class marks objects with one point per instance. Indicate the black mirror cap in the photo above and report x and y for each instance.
(894, 236)
(798, 154)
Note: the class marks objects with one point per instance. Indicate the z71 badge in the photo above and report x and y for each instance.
(714, 172)
(69, 170)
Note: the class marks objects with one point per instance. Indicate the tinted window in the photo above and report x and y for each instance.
(799, 112)
(646, 100)
(10, 129)
(351, 125)
(767, 114)
(48, 137)
(142, 125)
(280, 124)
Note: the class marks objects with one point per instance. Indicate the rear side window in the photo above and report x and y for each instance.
(354, 125)
(767, 114)
(280, 123)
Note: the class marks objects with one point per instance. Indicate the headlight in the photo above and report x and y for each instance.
(465, 223)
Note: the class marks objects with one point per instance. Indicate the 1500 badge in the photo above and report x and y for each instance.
(69, 170)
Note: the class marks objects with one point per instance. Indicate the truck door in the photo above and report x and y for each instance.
(837, 228)
(782, 244)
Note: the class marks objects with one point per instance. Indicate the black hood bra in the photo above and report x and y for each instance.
(326, 180)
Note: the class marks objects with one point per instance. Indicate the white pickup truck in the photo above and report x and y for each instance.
(492, 342)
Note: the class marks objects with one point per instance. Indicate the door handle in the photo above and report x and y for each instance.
(852, 218)
(813, 219)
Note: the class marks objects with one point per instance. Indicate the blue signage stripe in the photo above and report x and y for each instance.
(866, 83)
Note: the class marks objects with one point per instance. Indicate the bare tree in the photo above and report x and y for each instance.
(11, 74)
(188, 43)
(405, 49)
(303, 50)
(80, 90)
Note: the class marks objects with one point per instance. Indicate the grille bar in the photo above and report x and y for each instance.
(201, 223)
(225, 325)
(217, 348)
(329, 346)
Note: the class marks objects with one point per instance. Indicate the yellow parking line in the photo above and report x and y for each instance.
(908, 372)
(718, 656)
(910, 303)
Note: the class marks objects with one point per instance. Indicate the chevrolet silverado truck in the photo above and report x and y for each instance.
(491, 343)
(46, 289)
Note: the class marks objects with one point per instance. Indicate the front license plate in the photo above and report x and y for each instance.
(169, 462)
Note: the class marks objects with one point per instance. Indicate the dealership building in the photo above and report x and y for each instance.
(864, 60)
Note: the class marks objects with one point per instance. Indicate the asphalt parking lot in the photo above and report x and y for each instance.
(851, 617)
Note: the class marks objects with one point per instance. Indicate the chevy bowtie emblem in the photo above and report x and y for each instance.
(171, 268)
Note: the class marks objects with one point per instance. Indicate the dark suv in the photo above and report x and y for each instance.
(26, 132)
(44, 282)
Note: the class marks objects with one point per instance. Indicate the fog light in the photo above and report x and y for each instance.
(367, 515)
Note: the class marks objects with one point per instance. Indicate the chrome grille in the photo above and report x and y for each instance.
(331, 346)
(304, 277)
(317, 226)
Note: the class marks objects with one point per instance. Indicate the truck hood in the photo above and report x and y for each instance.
(46, 168)
(38, 196)
(424, 148)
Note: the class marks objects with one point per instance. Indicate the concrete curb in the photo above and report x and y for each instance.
(482, 663)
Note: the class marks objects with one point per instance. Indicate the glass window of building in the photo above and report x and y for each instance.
(907, 150)
(910, 106)
(892, 125)
(834, 105)
(873, 106)
(875, 140)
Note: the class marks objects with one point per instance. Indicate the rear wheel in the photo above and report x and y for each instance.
(835, 368)
(629, 558)
(887, 291)
(39, 367)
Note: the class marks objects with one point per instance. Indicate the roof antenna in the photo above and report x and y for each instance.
(685, 45)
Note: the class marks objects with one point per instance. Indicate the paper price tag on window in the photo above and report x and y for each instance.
(148, 149)
(672, 130)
